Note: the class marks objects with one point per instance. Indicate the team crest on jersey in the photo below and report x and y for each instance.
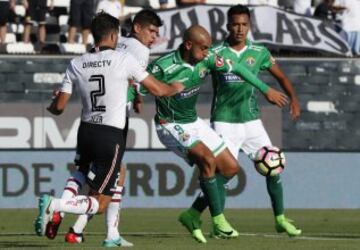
(219, 61)
(250, 61)
(202, 72)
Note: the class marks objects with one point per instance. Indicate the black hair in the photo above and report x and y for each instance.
(238, 10)
(147, 17)
(102, 25)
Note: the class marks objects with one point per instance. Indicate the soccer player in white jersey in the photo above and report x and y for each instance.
(101, 77)
(145, 29)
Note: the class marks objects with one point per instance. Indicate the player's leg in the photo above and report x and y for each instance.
(257, 137)
(72, 186)
(187, 137)
(227, 167)
(113, 215)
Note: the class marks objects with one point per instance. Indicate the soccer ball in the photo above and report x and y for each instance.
(269, 161)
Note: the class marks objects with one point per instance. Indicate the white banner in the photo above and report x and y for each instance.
(161, 179)
(270, 26)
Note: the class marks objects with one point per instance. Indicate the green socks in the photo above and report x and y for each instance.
(210, 189)
(201, 203)
(275, 190)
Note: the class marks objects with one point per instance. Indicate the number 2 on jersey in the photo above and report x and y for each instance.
(95, 94)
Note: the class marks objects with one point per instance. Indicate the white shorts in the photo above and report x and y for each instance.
(179, 138)
(248, 136)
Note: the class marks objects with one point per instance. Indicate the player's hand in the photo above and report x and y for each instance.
(179, 86)
(55, 94)
(295, 109)
(138, 104)
(276, 97)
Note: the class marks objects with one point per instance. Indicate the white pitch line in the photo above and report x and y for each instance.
(323, 237)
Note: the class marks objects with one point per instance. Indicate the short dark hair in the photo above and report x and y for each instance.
(102, 25)
(238, 10)
(147, 17)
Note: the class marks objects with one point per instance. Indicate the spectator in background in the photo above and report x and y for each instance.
(286, 4)
(302, 7)
(81, 14)
(6, 7)
(163, 4)
(112, 7)
(263, 2)
(35, 13)
(351, 23)
(184, 3)
(327, 11)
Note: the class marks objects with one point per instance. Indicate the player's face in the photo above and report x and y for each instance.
(200, 49)
(147, 34)
(238, 27)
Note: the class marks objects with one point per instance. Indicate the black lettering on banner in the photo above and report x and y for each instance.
(139, 176)
(164, 170)
(307, 31)
(7, 182)
(286, 26)
(95, 94)
(193, 17)
(177, 28)
(256, 32)
(38, 179)
(341, 45)
(217, 20)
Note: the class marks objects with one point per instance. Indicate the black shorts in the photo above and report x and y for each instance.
(36, 12)
(4, 12)
(81, 13)
(101, 148)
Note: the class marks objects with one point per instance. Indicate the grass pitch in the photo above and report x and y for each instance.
(159, 229)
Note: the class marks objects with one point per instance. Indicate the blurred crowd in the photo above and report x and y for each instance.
(32, 16)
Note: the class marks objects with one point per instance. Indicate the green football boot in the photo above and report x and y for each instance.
(193, 225)
(44, 215)
(283, 224)
(222, 228)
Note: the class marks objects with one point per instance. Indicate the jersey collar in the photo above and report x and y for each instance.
(98, 49)
(248, 43)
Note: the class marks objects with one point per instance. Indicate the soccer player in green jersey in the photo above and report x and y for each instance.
(235, 113)
(182, 131)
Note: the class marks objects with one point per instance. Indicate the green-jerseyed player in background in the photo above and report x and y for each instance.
(182, 131)
(235, 114)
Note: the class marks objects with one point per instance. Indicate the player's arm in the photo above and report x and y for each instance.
(153, 85)
(60, 99)
(272, 95)
(286, 85)
(61, 96)
(158, 88)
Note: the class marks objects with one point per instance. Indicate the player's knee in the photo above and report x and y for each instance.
(208, 165)
(102, 207)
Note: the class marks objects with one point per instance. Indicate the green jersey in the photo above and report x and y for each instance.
(235, 100)
(181, 108)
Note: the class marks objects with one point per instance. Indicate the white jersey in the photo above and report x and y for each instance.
(102, 81)
(136, 48)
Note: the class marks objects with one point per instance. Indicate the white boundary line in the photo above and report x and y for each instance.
(310, 237)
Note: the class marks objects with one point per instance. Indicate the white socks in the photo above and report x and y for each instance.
(80, 204)
(81, 223)
(113, 214)
(73, 183)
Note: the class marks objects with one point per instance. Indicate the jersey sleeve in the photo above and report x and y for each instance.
(268, 61)
(135, 70)
(68, 81)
